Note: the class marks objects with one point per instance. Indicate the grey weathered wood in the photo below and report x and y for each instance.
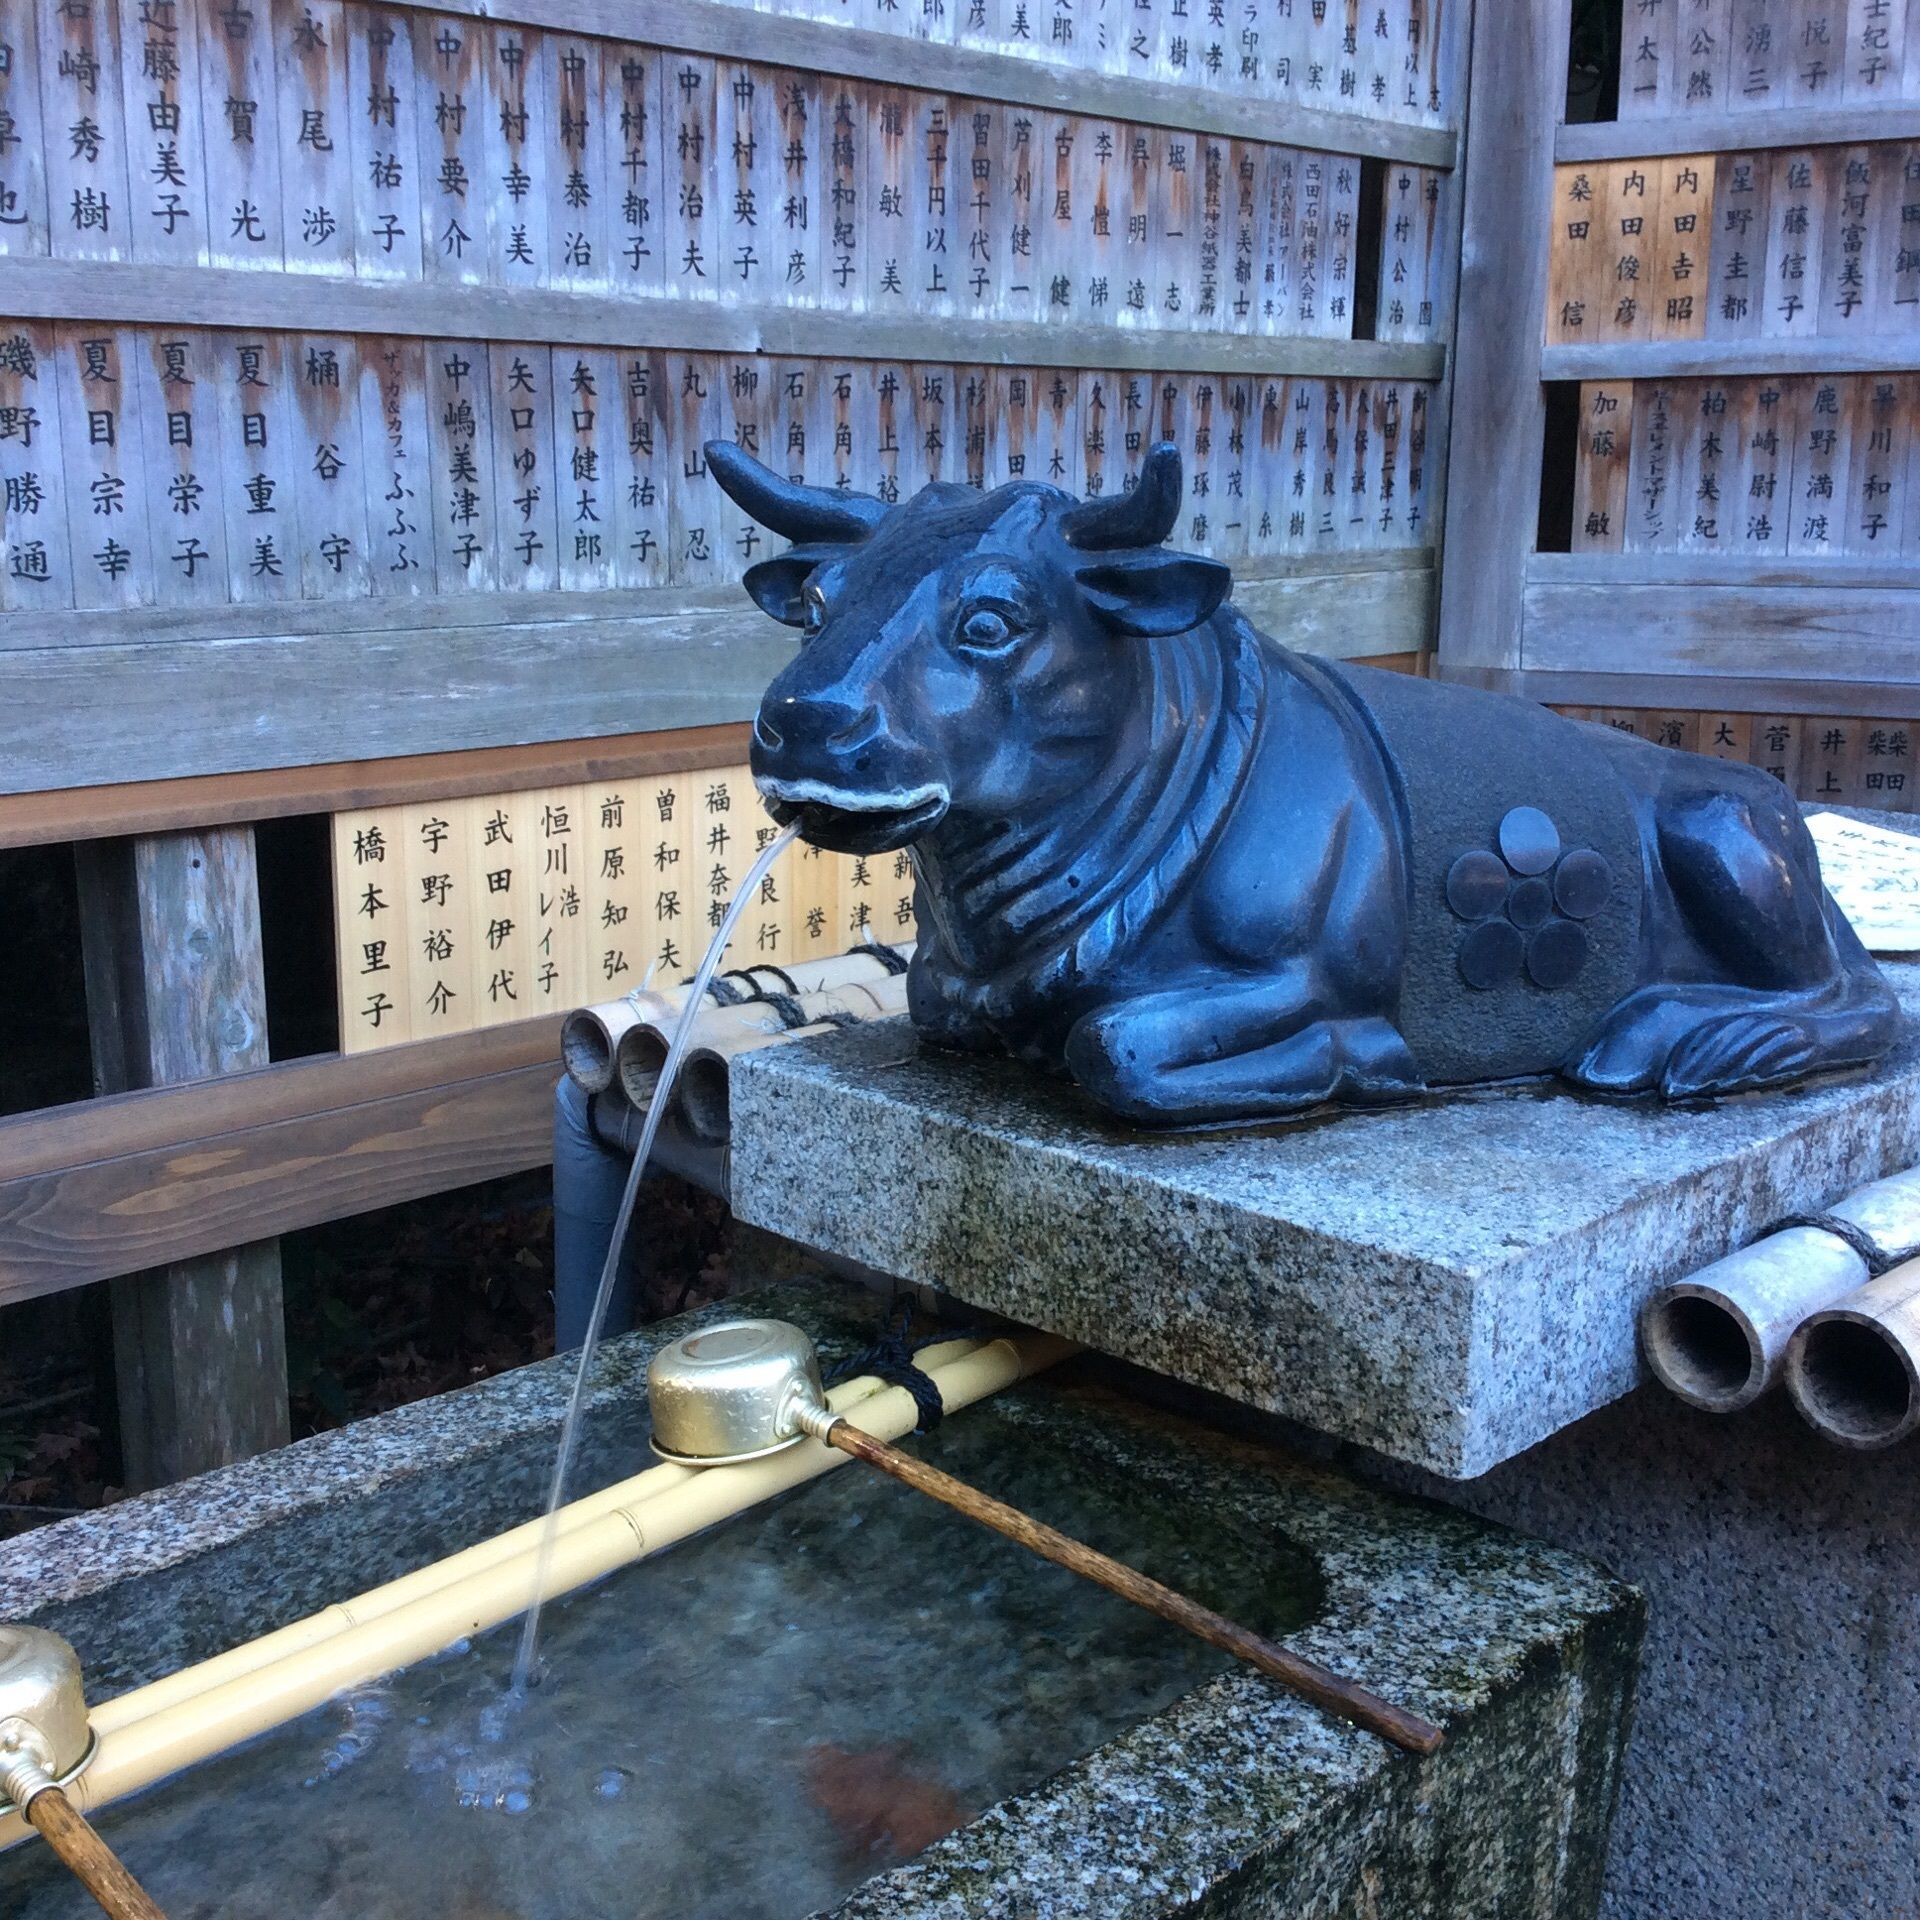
(177, 993)
(1497, 414)
(1683, 359)
(727, 31)
(177, 296)
(1861, 634)
(1735, 132)
(1708, 693)
(1716, 570)
(306, 686)
(428, 613)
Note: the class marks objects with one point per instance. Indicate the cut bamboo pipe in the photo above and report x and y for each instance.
(591, 1037)
(1719, 1338)
(205, 1713)
(88, 1858)
(705, 1093)
(1853, 1370)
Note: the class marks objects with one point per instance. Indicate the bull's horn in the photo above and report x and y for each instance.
(1141, 518)
(794, 512)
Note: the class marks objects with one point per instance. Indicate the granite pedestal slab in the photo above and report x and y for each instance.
(1231, 1798)
(1446, 1284)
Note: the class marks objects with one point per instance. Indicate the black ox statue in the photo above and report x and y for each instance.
(1215, 880)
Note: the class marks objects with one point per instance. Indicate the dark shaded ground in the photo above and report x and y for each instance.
(381, 1310)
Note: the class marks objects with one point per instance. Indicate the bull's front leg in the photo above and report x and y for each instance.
(1236, 1050)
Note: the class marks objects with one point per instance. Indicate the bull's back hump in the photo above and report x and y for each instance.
(1523, 846)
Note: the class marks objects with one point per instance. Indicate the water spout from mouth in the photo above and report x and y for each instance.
(523, 1664)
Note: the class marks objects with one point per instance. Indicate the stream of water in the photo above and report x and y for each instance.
(523, 1663)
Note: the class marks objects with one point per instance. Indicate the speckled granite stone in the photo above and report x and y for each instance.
(1235, 1800)
(1447, 1284)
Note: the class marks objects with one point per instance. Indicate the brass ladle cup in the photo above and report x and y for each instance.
(746, 1388)
(45, 1743)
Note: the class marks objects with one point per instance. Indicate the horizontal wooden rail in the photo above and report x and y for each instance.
(1720, 570)
(1684, 692)
(1697, 359)
(118, 1185)
(234, 297)
(225, 799)
(1857, 121)
(744, 33)
(247, 690)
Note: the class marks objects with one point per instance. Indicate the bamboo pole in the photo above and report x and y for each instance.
(207, 1709)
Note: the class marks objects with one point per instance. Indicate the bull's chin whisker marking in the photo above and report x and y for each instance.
(801, 793)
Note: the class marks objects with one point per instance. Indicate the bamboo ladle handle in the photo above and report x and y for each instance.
(94, 1864)
(1305, 1677)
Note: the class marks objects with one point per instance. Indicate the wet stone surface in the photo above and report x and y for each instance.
(1447, 1283)
(850, 1701)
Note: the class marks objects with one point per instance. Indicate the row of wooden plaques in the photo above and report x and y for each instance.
(1809, 242)
(201, 468)
(1680, 57)
(454, 915)
(1817, 467)
(315, 137)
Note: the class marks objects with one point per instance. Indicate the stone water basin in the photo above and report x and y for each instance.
(851, 1701)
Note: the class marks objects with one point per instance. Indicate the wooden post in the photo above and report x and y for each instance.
(1498, 418)
(175, 992)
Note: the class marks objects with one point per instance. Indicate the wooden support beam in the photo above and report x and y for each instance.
(1701, 359)
(176, 992)
(439, 309)
(1857, 121)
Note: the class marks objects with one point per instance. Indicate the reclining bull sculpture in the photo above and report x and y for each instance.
(1215, 880)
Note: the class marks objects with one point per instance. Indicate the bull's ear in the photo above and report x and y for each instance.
(774, 585)
(1154, 593)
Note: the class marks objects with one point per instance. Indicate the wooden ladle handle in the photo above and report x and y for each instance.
(94, 1864)
(1304, 1677)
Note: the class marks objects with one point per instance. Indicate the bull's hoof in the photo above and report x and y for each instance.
(1735, 1054)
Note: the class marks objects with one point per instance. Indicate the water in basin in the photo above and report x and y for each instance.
(747, 1726)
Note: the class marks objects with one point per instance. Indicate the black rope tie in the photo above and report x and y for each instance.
(891, 1359)
(1878, 1259)
(886, 956)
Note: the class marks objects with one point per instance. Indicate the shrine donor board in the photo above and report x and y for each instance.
(483, 911)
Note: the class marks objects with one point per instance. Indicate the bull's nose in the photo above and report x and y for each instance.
(857, 732)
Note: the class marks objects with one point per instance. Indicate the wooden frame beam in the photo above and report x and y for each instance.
(233, 297)
(1696, 359)
(1857, 121)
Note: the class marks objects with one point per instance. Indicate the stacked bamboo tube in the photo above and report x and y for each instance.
(625, 1041)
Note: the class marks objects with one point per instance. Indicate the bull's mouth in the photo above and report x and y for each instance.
(844, 822)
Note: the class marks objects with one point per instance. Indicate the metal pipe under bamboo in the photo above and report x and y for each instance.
(206, 1709)
(1853, 1369)
(1719, 1338)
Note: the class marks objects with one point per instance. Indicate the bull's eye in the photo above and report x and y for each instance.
(985, 631)
(815, 605)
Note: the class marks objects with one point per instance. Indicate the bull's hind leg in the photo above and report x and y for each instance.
(1795, 991)
(1235, 1050)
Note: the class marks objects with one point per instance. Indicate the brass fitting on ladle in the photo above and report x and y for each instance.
(746, 1388)
(45, 1744)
